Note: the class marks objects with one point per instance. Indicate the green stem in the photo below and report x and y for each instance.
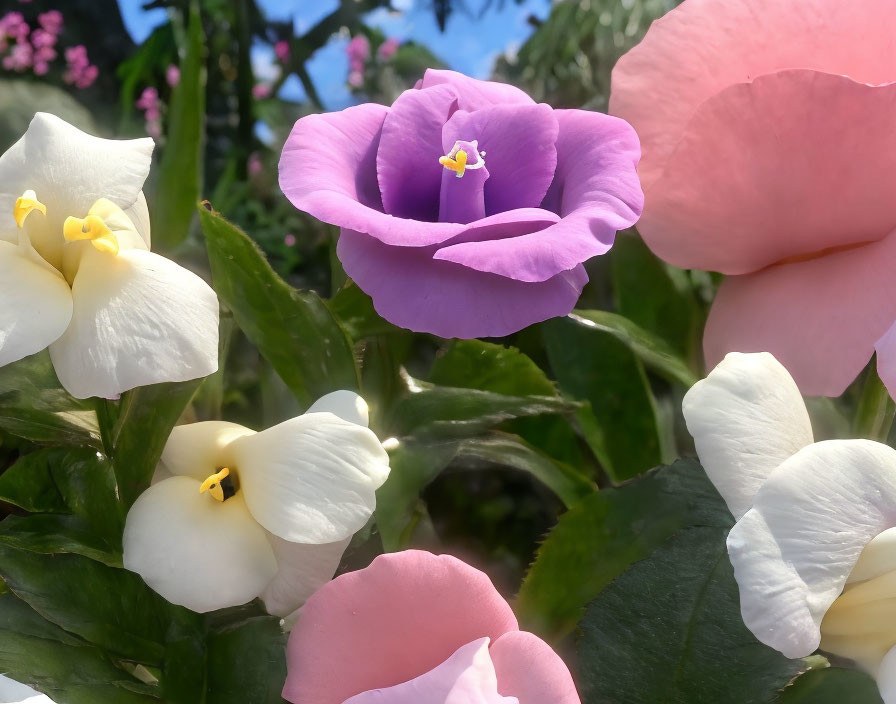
(874, 416)
(105, 420)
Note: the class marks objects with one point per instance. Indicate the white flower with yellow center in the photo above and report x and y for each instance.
(236, 514)
(814, 546)
(76, 273)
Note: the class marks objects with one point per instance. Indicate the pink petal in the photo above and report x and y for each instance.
(795, 162)
(531, 671)
(414, 291)
(595, 190)
(821, 318)
(400, 617)
(886, 359)
(407, 161)
(473, 94)
(703, 46)
(467, 677)
(521, 156)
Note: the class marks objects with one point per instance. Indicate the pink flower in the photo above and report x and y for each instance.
(19, 58)
(388, 48)
(172, 75)
(260, 91)
(410, 629)
(289, 240)
(149, 99)
(254, 164)
(355, 79)
(358, 51)
(51, 21)
(79, 71)
(43, 39)
(768, 155)
(13, 26)
(281, 49)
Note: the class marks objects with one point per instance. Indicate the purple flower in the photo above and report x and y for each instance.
(281, 50)
(51, 21)
(466, 208)
(20, 58)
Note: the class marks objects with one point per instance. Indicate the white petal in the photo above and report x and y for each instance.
(69, 170)
(794, 550)
(467, 677)
(12, 692)
(746, 418)
(878, 558)
(311, 479)
(199, 450)
(302, 570)
(886, 677)
(35, 304)
(138, 319)
(195, 551)
(345, 404)
(138, 214)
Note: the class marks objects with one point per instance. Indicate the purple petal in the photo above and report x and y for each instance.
(473, 94)
(521, 157)
(412, 290)
(328, 169)
(463, 199)
(595, 190)
(407, 162)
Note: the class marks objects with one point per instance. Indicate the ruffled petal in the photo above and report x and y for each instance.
(886, 677)
(138, 214)
(70, 170)
(820, 318)
(467, 676)
(301, 571)
(528, 669)
(199, 450)
(794, 550)
(746, 418)
(138, 319)
(473, 94)
(35, 304)
(195, 551)
(407, 161)
(595, 190)
(413, 290)
(13, 692)
(328, 169)
(520, 146)
(703, 46)
(386, 624)
(311, 479)
(344, 404)
(792, 164)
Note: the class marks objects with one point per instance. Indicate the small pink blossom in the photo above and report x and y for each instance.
(51, 21)
(281, 49)
(43, 39)
(79, 72)
(254, 164)
(13, 26)
(355, 79)
(260, 91)
(172, 75)
(388, 48)
(20, 57)
(289, 240)
(358, 51)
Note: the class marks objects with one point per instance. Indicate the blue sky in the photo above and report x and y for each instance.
(469, 44)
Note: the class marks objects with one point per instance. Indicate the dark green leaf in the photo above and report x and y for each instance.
(180, 169)
(355, 311)
(595, 541)
(669, 631)
(473, 364)
(596, 366)
(29, 483)
(294, 330)
(832, 685)
(52, 533)
(256, 647)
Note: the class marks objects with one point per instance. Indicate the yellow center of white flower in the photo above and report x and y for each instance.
(25, 204)
(221, 485)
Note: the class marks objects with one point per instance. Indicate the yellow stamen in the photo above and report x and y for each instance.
(213, 486)
(458, 164)
(26, 203)
(91, 228)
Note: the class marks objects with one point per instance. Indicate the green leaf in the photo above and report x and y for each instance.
(55, 534)
(42, 655)
(595, 541)
(109, 607)
(656, 355)
(355, 311)
(669, 631)
(594, 365)
(29, 483)
(509, 451)
(180, 170)
(257, 646)
(833, 685)
(145, 419)
(294, 330)
(473, 364)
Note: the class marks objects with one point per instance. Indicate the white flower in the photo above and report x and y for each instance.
(76, 273)
(12, 692)
(236, 514)
(814, 546)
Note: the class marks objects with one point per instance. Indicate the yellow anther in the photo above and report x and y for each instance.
(91, 228)
(458, 164)
(214, 485)
(24, 205)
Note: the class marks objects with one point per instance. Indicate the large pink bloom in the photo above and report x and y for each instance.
(416, 628)
(769, 148)
(485, 254)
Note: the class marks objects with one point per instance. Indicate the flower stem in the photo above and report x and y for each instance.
(104, 417)
(874, 416)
